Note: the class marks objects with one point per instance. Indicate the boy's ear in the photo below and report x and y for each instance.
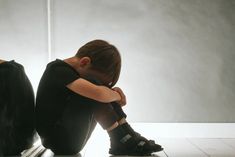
(85, 61)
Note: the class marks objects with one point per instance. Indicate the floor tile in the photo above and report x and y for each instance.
(214, 147)
(179, 147)
(229, 142)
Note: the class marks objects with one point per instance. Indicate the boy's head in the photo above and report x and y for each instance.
(104, 61)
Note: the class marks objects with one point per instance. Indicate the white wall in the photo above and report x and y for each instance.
(23, 35)
(177, 54)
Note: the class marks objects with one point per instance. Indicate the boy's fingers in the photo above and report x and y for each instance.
(122, 102)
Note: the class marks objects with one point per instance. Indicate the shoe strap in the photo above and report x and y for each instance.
(125, 138)
(141, 143)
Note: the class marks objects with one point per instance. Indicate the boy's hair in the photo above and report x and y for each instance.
(105, 58)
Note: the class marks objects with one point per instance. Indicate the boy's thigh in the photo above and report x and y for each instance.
(72, 130)
(68, 139)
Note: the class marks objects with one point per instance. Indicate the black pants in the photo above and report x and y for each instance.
(17, 126)
(72, 131)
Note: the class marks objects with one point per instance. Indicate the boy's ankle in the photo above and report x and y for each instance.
(115, 125)
(122, 121)
(117, 133)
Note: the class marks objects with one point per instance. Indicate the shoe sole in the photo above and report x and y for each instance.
(115, 153)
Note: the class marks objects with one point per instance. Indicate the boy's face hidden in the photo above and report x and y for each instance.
(85, 70)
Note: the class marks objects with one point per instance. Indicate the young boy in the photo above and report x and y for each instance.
(76, 93)
(16, 109)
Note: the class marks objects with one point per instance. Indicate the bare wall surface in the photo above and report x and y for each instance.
(178, 55)
(23, 35)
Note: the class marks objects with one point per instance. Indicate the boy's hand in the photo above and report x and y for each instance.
(122, 102)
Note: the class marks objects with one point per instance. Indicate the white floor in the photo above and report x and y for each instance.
(180, 146)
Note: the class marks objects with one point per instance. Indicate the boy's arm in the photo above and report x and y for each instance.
(92, 91)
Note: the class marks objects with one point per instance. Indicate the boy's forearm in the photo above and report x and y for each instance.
(108, 95)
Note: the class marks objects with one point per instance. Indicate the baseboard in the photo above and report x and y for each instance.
(187, 130)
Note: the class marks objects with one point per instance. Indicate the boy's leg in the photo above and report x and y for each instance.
(121, 114)
(76, 125)
(73, 129)
(104, 114)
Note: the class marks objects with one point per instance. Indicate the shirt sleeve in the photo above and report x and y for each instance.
(65, 75)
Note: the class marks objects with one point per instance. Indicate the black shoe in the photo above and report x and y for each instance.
(133, 146)
(150, 145)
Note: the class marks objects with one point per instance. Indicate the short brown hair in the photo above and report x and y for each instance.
(105, 58)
